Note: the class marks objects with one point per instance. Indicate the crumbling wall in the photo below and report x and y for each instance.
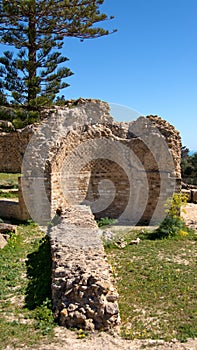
(83, 290)
(134, 158)
(79, 155)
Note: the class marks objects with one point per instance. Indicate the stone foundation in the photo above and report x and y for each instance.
(15, 209)
(83, 291)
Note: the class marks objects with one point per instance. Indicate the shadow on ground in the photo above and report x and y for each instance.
(39, 265)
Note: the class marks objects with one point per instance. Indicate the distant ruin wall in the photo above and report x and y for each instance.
(12, 149)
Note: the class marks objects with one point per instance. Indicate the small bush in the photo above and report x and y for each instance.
(106, 221)
(44, 317)
(173, 226)
(175, 203)
(18, 123)
(6, 113)
(19, 116)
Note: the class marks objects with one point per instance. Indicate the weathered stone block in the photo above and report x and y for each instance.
(87, 298)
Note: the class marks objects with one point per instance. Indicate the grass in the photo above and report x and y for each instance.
(25, 268)
(156, 281)
(8, 183)
(9, 180)
(104, 222)
(8, 194)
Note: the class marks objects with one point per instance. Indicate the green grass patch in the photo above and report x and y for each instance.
(105, 222)
(9, 180)
(25, 288)
(8, 194)
(156, 281)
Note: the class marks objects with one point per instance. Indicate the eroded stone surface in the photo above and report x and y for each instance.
(83, 291)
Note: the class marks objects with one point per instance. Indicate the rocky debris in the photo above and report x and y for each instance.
(6, 228)
(135, 241)
(3, 241)
(121, 243)
(6, 126)
(66, 339)
(107, 235)
(83, 291)
(189, 214)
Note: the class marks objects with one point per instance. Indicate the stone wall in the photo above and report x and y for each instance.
(79, 155)
(16, 209)
(135, 161)
(12, 149)
(83, 290)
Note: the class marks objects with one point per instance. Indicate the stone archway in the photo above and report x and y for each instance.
(122, 170)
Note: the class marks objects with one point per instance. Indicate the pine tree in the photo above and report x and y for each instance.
(34, 71)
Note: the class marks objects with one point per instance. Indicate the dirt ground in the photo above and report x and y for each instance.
(189, 213)
(67, 340)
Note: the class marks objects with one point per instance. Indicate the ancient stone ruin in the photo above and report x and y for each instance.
(83, 291)
(79, 159)
(79, 155)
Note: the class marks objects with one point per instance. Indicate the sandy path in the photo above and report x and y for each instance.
(67, 340)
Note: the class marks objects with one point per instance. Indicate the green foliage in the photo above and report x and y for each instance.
(189, 167)
(60, 101)
(9, 194)
(44, 317)
(35, 72)
(9, 180)
(6, 113)
(173, 226)
(20, 117)
(105, 222)
(175, 203)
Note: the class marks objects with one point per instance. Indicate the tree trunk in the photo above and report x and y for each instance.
(32, 50)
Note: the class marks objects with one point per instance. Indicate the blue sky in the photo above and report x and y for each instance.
(149, 65)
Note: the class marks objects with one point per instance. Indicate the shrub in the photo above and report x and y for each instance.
(44, 317)
(173, 226)
(175, 203)
(20, 117)
(105, 222)
(6, 113)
